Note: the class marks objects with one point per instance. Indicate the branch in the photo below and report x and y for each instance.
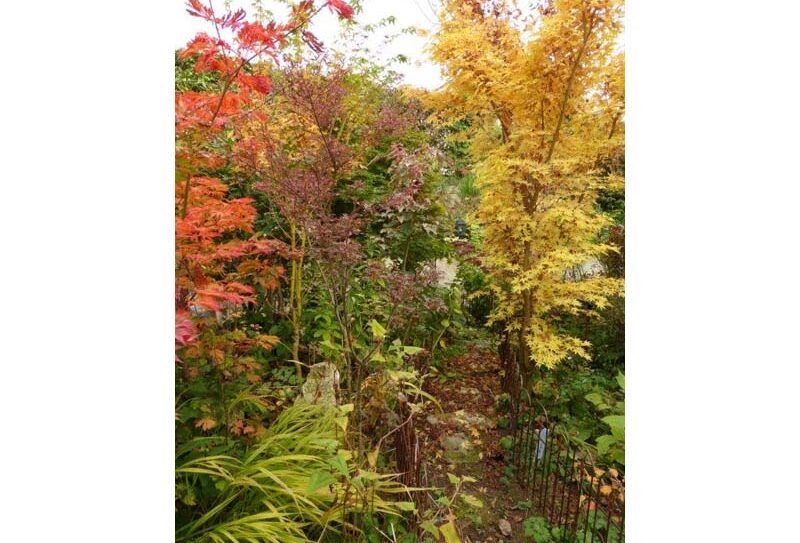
(568, 89)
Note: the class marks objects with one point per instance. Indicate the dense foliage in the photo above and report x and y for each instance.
(316, 199)
(544, 97)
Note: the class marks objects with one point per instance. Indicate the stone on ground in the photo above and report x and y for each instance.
(459, 449)
(321, 385)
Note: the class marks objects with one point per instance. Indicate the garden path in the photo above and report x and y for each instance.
(463, 439)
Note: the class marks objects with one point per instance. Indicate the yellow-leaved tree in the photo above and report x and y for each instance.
(544, 96)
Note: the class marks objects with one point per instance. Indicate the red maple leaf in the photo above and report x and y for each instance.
(185, 331)
(199, 10)
(312, 41)
(341, 8)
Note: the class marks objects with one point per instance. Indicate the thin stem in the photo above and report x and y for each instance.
(568, 89)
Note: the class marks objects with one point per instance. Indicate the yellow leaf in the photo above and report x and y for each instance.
(372, 458)
(449, 532)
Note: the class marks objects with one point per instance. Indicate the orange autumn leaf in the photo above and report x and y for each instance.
(217, 355)
(205, 424)
(267, 342)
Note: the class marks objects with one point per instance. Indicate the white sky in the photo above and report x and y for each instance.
(419, 71)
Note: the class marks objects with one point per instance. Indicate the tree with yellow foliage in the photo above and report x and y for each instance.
(545, 98)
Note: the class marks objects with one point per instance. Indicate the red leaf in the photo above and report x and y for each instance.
(255, 34)
(200, 44)
(312, 41)
(185, 331)
(244, 289)
(262, 84)
(211, 297)
(258, 83)
(199, 10)
(233, 20)
(341, 8)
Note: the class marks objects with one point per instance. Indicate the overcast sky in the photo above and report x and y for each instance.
(419, 71)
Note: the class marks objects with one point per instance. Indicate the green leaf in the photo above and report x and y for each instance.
(328, 345)
(399, 375)
(378, 357)
(431, 528)
(326, 442)
(617, 425)
(472, 501)
(604, 442)
(340, 464)
(621, 380)
(320, 479)
(368, 476)
(454, 480)
(595, 397)
(444, 501)
(378, 331)
(186, 494)
(537, 528)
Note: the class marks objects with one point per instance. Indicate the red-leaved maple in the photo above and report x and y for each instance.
(219, 259)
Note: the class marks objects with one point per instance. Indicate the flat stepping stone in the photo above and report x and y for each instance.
(459, 449)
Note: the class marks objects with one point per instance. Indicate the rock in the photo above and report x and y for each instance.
(590, 268)
(475, 420)
(321, 385)
(447, 270)
(458, 449)
(505, 527)
(455, 441)
(469, 391)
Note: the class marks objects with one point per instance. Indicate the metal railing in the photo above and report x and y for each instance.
(582, 501)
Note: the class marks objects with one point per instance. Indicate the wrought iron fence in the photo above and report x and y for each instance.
(583, 502)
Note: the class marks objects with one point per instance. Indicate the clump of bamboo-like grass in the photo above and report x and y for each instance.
(295, 485)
